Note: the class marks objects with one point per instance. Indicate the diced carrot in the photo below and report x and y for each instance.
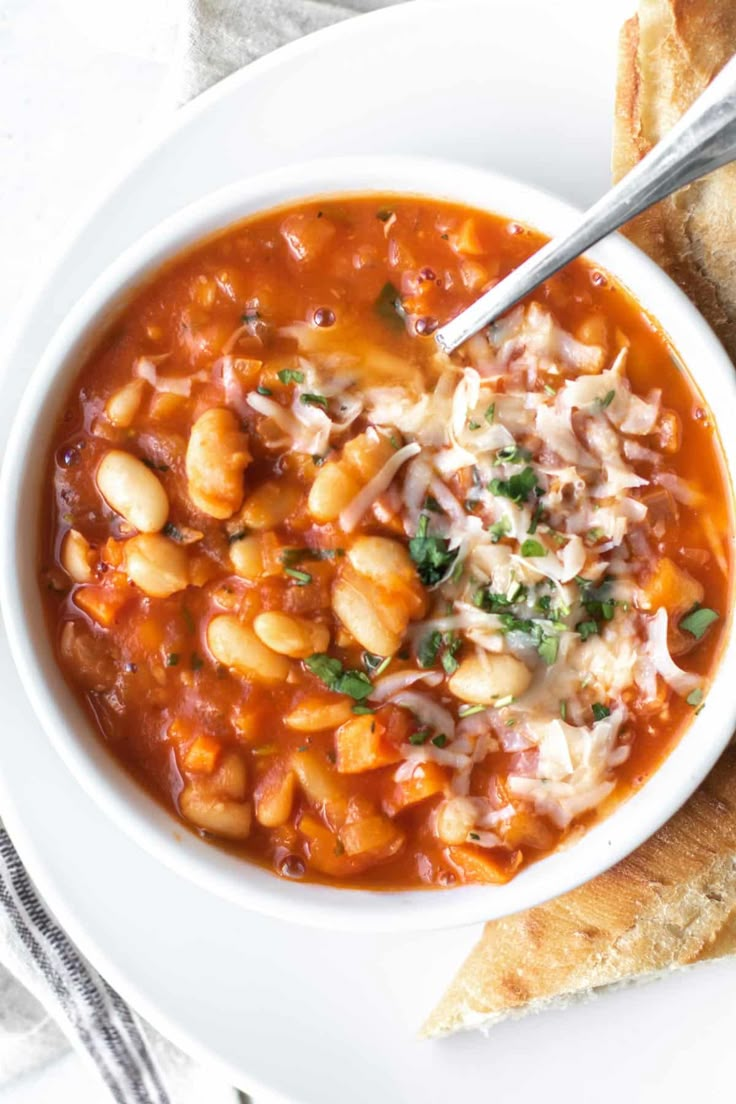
(428, 780)
(326, 853)
(272, 549)
(361, 746)
(529, 830)
(479, 865)
(203, 754)
(179, 730)
(113, 552)
(102, 603)
(376, 836)
(672, 588)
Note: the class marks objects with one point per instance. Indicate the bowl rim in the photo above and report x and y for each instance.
(67, 725)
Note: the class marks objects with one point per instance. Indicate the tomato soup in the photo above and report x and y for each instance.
(361, 612)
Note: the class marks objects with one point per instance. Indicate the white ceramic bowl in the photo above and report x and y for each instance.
(68, 727)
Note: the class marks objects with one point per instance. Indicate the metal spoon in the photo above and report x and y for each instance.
(703, 140)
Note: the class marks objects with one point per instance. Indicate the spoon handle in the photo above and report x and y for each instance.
(702, 140)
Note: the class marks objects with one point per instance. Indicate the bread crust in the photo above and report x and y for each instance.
(668, 905)
(668, 54)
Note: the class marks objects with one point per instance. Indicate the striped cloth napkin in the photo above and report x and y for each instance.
(50, 996)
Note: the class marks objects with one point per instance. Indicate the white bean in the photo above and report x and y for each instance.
(123, 405)
(76, 556)
(157, 565)
(481, 681)
(133, 491)
(217, 455)
(360, 607)
(236, 645)
(291, 636)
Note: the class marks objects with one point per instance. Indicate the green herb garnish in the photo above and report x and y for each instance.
(301, 578)
(586, 629)
(428, 649)
(432, 555)
(355, 684)
(389, 306)
(600, 712)
(532, 548)
(499, 529)
(490, 413)
(440, 741)
(172, 659)
(605, 402)
(263, 390)
(419, 737)
(313, 400)
(695, 696)
(512, 454)
(290, 375)
(698, 620)
(518, 487)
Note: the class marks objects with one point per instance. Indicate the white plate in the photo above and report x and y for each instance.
(525, 87)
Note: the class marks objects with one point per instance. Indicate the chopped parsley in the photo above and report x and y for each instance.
(355, 684)
(428, 649)
(698, 621)
(362, 710)
(536, 518)
(389, 306)
(586, 629)
(301, 578)
(490, 413)
(548, 648)
(493, 602)
(309, 399)
(499, 529)
(563, 710)
(597, 600)
(695, 696)
(513, 454)
(440, 741)
(600, 712)
(375, 664)
(292, 556)
(517, 487)
(604, 402)
(532, 548)
(263, 390)
(432, 555)
(172, 659)
(290, 375)
(431, 503)
(470, 710)
(419, 737)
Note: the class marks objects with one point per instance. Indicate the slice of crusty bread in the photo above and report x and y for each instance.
(670, 904)
(668, 55)
(673, 902)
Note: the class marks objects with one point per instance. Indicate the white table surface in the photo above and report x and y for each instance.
(78, 79)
